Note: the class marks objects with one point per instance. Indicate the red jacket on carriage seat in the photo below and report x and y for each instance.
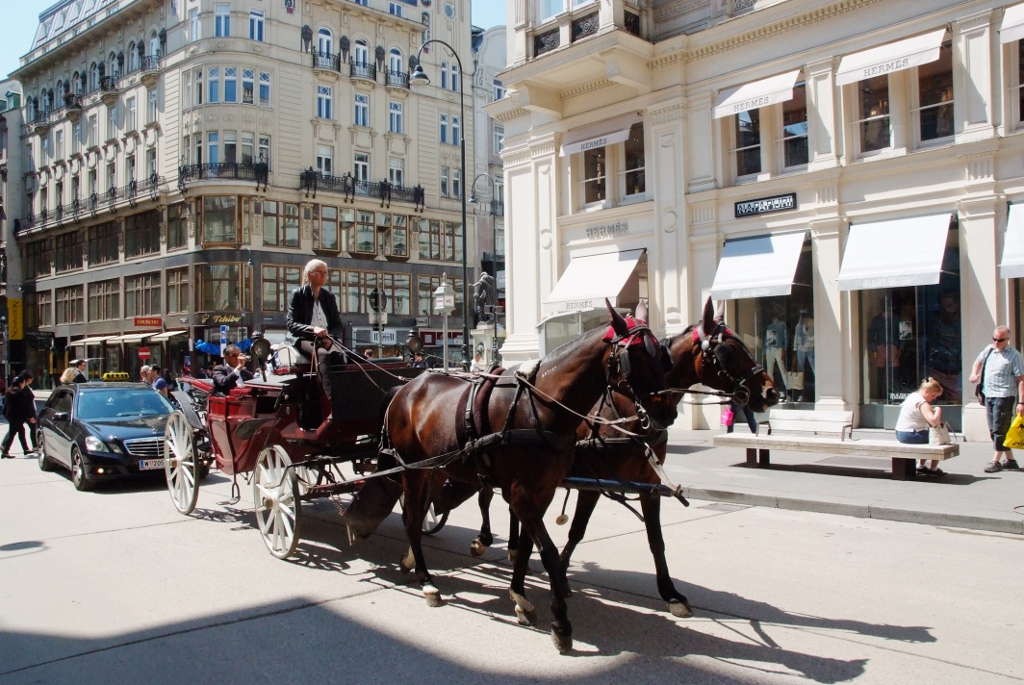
(300, 314)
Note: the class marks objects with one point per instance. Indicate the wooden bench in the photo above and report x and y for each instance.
(824, 432)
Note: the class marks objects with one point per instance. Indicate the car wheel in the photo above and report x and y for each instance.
(44, 461)
(79, 474)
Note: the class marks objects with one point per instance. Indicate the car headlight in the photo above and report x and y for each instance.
(113, 446)
(94, 444)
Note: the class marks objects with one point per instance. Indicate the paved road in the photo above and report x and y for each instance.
(114, 586)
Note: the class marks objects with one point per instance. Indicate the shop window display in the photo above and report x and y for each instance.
(912, 333)
(780, 332)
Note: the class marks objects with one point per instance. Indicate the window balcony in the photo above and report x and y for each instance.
(313, 181)
(360, 70)
(41, 122)
(72, 106)
(397, 79)
(108, 90)
(326, 63)
(150, 70)
(245, 171)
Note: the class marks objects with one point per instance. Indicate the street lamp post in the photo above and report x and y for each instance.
(494, 257)
(419, 78)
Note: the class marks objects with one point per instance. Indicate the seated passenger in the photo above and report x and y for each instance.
(314, 320)
(232, 373)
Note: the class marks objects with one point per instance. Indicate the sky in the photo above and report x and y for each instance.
(20, 18)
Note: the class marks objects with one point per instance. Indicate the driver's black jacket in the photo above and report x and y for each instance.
(300, 313)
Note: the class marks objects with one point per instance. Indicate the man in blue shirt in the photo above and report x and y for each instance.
(1002, 385)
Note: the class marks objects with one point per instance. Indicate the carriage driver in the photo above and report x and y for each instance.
(313, 319)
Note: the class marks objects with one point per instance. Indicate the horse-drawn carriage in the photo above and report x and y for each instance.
(589, 416)
(277, 429)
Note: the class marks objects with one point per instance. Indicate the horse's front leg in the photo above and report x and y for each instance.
(513, 536)
(484, 539)
(561, 628)
(417, 496)
(526, 613)
(677, 602)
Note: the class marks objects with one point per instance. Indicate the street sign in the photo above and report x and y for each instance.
(144, 353)
(15, 328)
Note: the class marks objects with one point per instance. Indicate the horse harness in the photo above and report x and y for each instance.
(712, 354)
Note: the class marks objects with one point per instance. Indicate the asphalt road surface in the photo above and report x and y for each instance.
(116, 587)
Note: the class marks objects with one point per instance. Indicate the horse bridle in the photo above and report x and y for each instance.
(618, 367)
(712, 353)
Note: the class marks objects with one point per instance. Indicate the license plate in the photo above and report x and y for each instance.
(150, 464)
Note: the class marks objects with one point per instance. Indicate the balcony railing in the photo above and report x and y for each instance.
(360, 70)
(326, 61)
(94, 202)
(397, 79)
(248, 171)
(312, 181)
(150, 63)
(108, 84)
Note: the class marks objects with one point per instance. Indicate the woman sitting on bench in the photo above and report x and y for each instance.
(916, 415)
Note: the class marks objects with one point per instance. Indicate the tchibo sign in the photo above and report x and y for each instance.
(765, 205)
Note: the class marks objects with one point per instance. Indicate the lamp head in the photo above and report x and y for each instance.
(419, 77)
(472, 199)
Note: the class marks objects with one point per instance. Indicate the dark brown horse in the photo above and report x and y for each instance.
(535, 414)
(707, 353)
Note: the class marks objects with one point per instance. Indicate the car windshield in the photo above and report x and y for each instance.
(121, 404)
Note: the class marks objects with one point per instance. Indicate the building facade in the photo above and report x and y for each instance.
(186, 159)
(488, 184)
(11, 161)
(844, 176)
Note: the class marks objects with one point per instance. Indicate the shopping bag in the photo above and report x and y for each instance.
(727, 416)
(795, 380)
(1015, 436)
(939, 435)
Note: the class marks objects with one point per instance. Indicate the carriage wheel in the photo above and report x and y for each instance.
(276, 496)
(180, 464)
(432, 523)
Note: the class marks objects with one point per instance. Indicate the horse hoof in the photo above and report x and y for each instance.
(680, 609)
(563, 643)
(526, 618)
(477, 548)
(408, 562)
(432, 596)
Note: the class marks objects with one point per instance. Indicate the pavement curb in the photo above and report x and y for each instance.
(931, 518)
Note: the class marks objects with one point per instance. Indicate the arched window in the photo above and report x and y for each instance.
(395, 61)
(361, 54)
(154, 44)
(61, 88)
(49, 100)
(324, 42)
(75, 85)
(133, 57)
(112, 65)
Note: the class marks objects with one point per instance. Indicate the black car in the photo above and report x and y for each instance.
(102, 431)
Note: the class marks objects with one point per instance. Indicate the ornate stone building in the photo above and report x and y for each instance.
(188, 157)
(844, 175)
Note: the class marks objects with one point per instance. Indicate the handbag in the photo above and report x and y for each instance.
(939, 435)
(979, 390)
(795, 380)
(1015, 434)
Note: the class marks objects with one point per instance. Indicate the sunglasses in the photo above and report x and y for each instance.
(999, 339)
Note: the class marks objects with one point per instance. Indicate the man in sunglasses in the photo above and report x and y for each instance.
(1002, 383)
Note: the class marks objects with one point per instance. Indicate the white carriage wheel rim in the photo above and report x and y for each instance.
(277, 509)
(180, 463)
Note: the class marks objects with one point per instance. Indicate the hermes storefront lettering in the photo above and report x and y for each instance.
(606, 231)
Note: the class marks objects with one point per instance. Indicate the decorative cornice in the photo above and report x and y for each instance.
(509, 114)
(770, 30)
(584, 88)
(762, 32)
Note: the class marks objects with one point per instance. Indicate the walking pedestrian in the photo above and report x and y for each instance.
(748, 414)
(19, 409)
(1001, 371)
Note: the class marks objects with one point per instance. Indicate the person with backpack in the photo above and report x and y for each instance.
(19, 409)
(1000, 370)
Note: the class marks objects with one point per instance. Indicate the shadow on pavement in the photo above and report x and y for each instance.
(864, 472)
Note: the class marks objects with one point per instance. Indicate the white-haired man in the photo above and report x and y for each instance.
(1003, 387)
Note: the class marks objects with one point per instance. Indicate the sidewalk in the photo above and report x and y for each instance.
(966, 497)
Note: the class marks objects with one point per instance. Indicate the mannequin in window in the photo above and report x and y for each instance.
(906, 331)
(803, 347)
(944, 346)
(776, 342)
(883, 354)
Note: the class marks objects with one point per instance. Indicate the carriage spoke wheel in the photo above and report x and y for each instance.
(181, 464)
(276, 496)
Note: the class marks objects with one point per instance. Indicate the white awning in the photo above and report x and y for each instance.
(1012, 265)
(767, 91)
(761, 266)
(894, 254)
(1012, 28)
(166, 335)
(587, 281)
(598, 135)
(885, 59)
(130, 338)
(92, 341)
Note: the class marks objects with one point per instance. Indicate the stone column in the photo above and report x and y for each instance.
(666, 261)
(835, 336)
(821, 91)
(976, 88)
